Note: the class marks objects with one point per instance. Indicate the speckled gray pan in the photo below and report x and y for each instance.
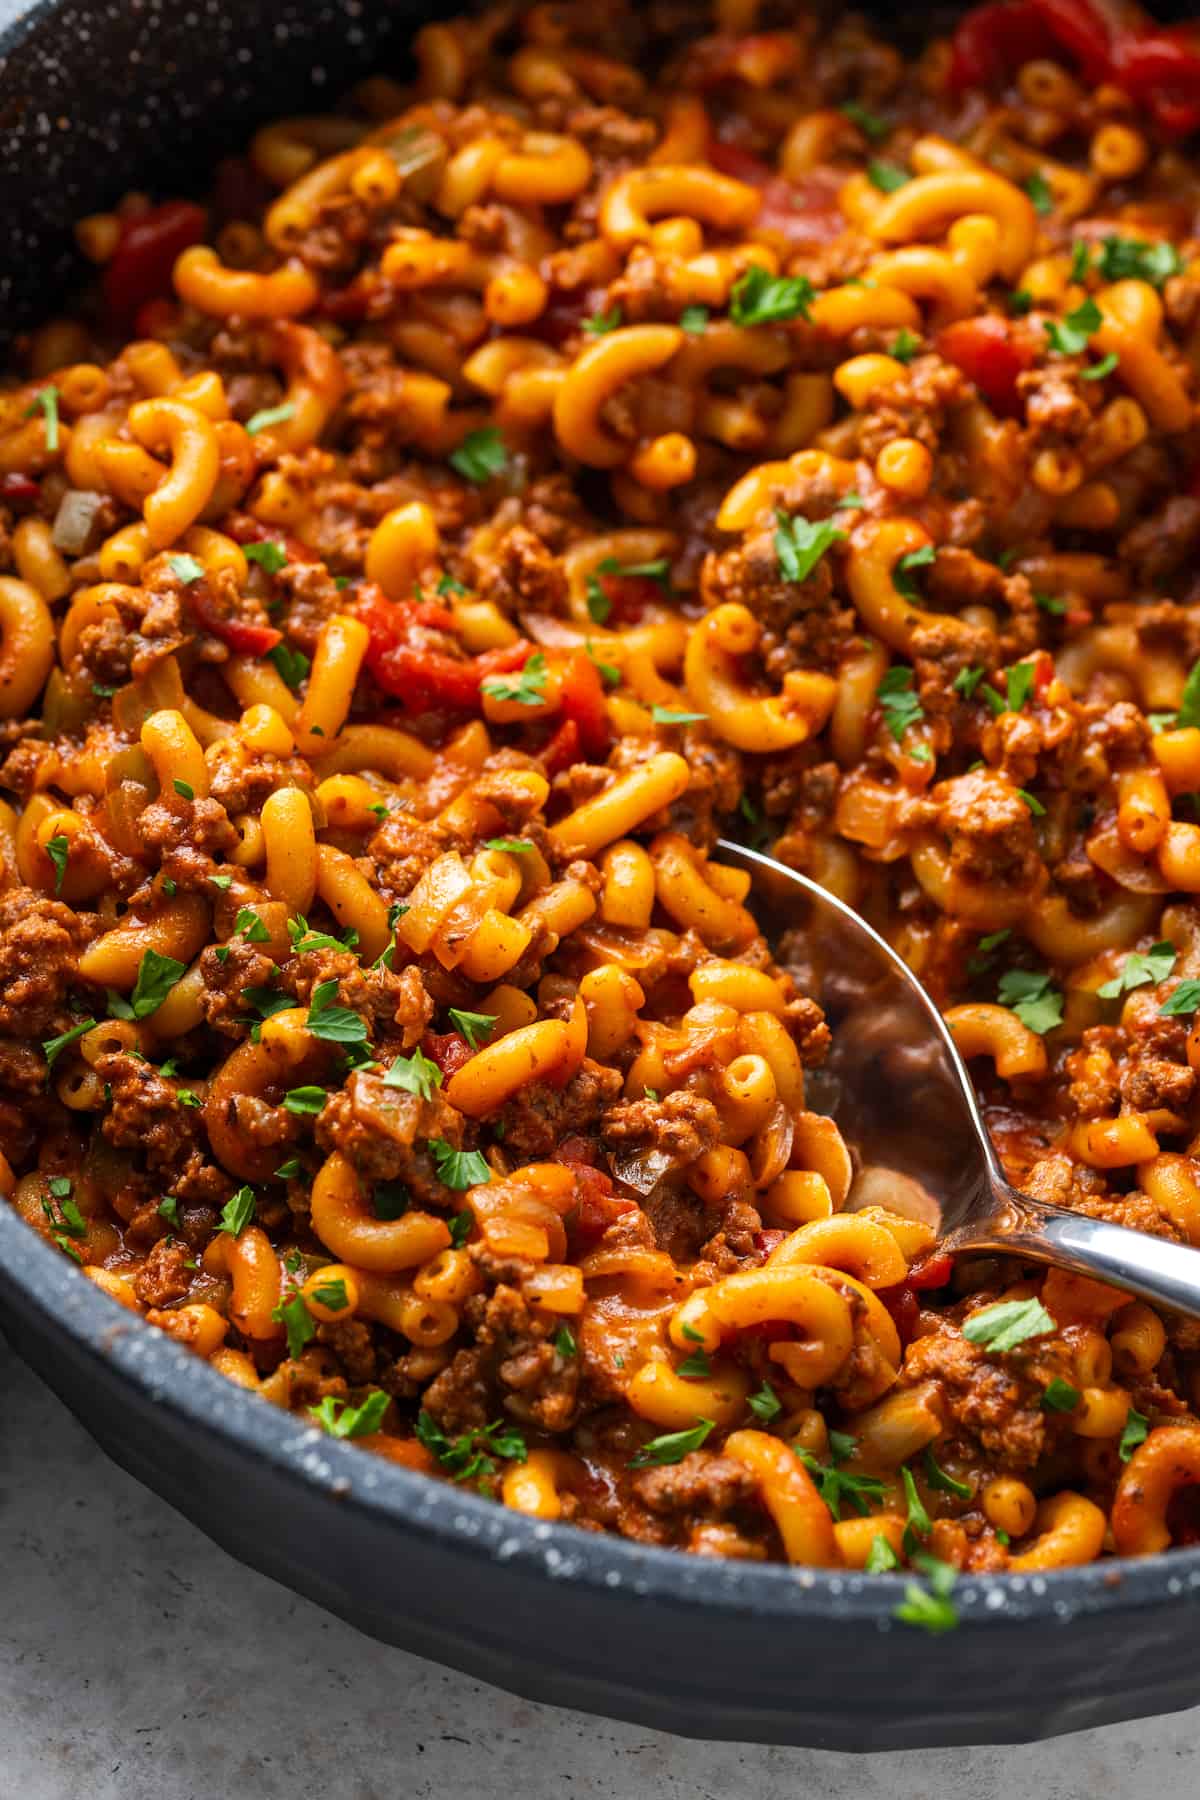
(97, 97)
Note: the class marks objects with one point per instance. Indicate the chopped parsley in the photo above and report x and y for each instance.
(766, 1404)
(289, 1170)
(270, 556)
(930, 1608)
(1189, 705)
(869, 123)
(904, 346)
(667, 715)
(335, 1024)
(1009, 1323)
(1059, 1396)
(1050, 603)
(1038, 189)
(471, 1455)
(600, 324)
(938, 1478)
(224, 882)
(1019, 682)
(759, 298)
(473, 1025)
(292, 665)
(1132, 258)
(1183, 1002)
(168, 1209)
(250, 926)
(672, 1447)
(1071, 336)
(237, 1213)
(599, 605)
(342, 1420)
(526, 687)
(58, 848)
(481, 455)
(187, 569)
(184, 789)
(1081, 257)
(156, 977)
(268, 416)
(294, 1316)
(693, 319)
(303, 939)
(966, 681)
(417, 1074)
(885, 176)
(695, 1367)
(564, 1341)
(1020, 301)
(800, 544)
(511, 846)
(1099, 370)
(304, 1102)
(1033, 997)
(332, 1294)
(1138, 969)
(1137, 1428)
(881, 1558)
(849, 502)
(459, 1227)
(901, 708)
(46, 402)
(838, 1487)
(902, 574)
(459, 1169)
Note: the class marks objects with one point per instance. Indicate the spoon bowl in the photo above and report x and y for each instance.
(900, 1093)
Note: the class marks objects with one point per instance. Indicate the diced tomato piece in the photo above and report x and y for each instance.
(803, 212)
(1161, 71)
(596, 1211)
(19, 490)
(904, 1308)
(391, 621)
(579, 1150)
(562, 749)
(448, 1049)
(628, 596)
(141, 265)
(427, 679)
(993, 40)
(731, 159)
(931, 1271)
(991, 353)
(582, 701)
(242, 636)
(767, 1241)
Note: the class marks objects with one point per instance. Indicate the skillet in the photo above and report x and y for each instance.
(92, 96)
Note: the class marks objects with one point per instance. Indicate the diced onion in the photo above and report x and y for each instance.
(74, 520)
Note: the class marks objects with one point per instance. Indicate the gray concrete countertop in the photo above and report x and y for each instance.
(139, 1662)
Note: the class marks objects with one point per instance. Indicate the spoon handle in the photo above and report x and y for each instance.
(1154, 1268)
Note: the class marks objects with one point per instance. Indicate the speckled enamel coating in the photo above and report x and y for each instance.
(94, 98)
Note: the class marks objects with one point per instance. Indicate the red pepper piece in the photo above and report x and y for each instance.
(993, 40)
(904, 1308)
(931, 1271)
(448, 1049)
(1161, 71)
(19, 490)
(141, 265)
(991, 354)
(731, 159)
(582, 701)
(562, 749)
(242, 637)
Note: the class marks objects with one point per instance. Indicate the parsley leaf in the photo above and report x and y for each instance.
(303, 939)
(600, 324)
(695, 1367)
(902, 574)
(342, 1420)
(1071, 336)
(672, 1447)
(270, 556)
(513, 846)
(184, 789)
(1020, 301)
(918, 1523)
(881, 1558)
(766, 1404)
(693, 319)
(966, 681)
(666, 715)
(1183, 1002)
(1032, 802)
(304, 1102)
(292, 665)
(459, 1227)
(187, 569)
(58, 849)
(599, 605)
(416, 1074)
(250, 926)
(294, 1316)
(1189, 705)
(473, 1025)
(168, 1209)
(800, 544)
(1059, 1396)
(53, 1047)
(1081, 257)
(759, 298)
(269, 415)
(1132, 258)
(1033, 997)
(237, 1213)
(1009, 1323)
(564, 1341)
(333, 1295)
(837, 1486)
(459, 1169)
(471, 1456)
(1038, 189)
(900, 705)
(937, 1477)
(869, 123)
(885, 176)
(1018, 682)
(481, 455)
(156, 977)
(526, 686)
(46, 402)
(930, 1608)
(1099, 370)
(1137, 1429)
(1138, 969)
(335, 1024)
(904, 346)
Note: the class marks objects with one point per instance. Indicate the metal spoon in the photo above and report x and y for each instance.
(898, 1089)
